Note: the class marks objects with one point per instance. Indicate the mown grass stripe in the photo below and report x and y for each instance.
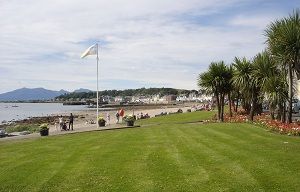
(171, 156)
(260, 161)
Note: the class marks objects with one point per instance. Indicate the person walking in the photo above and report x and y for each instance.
(108, 118)
(71, 119)
(118, 117)
(121, 113)
(61, 122)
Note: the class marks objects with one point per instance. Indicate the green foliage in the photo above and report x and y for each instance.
(283, 40)
(43, 127)
(101, 119)
(243, 76)
(19, 128)
(128, 118)
(218, 81)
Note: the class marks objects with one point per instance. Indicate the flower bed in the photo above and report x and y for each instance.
(265, 121)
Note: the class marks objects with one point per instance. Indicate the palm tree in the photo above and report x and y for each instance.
(230, 87)
(244, 81)
(270, 80)
(264, 67)
(276, 90)
(216, 80)
(235, 97)
(283, 40)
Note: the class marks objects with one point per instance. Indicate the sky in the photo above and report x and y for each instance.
(143, 43)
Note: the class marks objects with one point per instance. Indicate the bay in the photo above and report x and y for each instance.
(18, 111)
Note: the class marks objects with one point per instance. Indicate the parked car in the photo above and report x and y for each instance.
(296, 106)
(3, 133)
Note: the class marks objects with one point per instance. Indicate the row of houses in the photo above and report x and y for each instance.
(149, 99)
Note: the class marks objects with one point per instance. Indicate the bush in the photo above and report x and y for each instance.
(43, 127)
(129, 118)
(179, 111)
(21, 128)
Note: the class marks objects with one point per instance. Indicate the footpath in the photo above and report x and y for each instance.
(52, 132)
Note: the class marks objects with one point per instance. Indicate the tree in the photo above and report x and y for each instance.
(244, 80)
(241, 80)
(216, 80)
(276, 90)
(229, 87)
(271, 81)
(283, 40)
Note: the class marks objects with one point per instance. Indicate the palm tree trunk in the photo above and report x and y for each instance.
(222, 107)
(218, 105)
(272, 111)
(229, 100)
(283, 118)
(253, 103)
(290, 106)
(237, 102)
(252, 111)
(279, 114)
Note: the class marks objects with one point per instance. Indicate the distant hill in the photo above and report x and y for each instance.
(26, 94)
(81, 90)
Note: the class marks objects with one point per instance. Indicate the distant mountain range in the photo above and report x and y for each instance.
(26, 94)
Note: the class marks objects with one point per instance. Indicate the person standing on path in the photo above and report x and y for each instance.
(117, 116)
(121, 114)
(108, 118)
(61, 122)
(71, 119)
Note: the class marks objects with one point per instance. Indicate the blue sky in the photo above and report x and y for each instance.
(143, 43)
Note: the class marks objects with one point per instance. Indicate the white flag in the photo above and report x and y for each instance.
(92, 50)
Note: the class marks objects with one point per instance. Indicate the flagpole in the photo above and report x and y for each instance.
(97, 90)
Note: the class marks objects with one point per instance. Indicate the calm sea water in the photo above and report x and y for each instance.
(17, 111)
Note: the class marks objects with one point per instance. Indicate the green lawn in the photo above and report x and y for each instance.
(164, 154)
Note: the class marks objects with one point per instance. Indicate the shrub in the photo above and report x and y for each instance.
(20, 128)
(43, 127)
(129, 118)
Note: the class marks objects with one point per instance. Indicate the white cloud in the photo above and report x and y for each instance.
(146, 41)
(257, 21)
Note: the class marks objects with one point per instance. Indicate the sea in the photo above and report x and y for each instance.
(19, 111)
